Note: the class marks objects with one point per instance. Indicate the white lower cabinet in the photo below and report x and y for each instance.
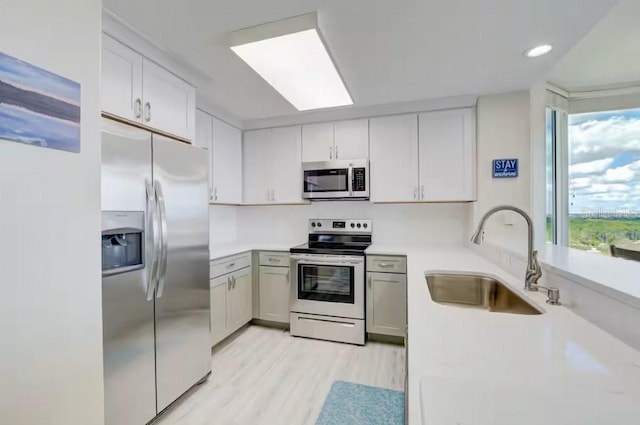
(275, 289)
(230, 294)
(239, 303)
(274, 286)
(386, 302)
(218, 292)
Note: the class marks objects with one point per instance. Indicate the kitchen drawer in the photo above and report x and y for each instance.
(229, 264)
(386, 264)
(276, 259)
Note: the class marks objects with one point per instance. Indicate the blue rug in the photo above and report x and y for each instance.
(355, 404)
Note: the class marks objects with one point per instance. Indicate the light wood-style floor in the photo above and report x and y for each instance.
(265, 376)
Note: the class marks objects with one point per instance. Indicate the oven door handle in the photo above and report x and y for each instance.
(330, 262)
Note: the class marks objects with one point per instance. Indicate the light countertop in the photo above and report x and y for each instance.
(469, 366)
(474, 367)
(227, 249)
(616, 277)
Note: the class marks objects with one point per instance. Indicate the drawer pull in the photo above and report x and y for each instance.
(386, 265)
(230, 265)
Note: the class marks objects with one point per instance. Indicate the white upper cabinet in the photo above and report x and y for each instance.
(339, 140)
(224, 143)
(393, 148)
(121, 81)
(204, 130)
(227, 163)
(272, 167)
(255, 167)
(437, 166)
(447, 155)
(317, 142)
(204, 140)
(138, 90)
(285, 156)
(169, 102)
(351, 139)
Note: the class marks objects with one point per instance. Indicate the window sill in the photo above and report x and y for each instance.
(614, 277)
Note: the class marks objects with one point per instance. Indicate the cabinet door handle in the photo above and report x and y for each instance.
(369, 281)
(215, 193)
(137, 107)
(147, 112)
(273, 195)
(233, 279)
(210, 194)
(422, 195)
(228, 283)
(287, 275)
(336, 151)
(330, 152)
(415, 192)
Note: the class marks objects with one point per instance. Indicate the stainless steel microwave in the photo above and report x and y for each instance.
(339, 179)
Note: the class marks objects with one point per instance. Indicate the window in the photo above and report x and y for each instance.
(601, 185)
(551, 214)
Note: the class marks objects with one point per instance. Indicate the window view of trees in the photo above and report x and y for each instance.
(604, 180)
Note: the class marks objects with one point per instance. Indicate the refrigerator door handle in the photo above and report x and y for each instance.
(162, 268)
(152, 226)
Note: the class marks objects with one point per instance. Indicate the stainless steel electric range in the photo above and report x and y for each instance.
(327, 299)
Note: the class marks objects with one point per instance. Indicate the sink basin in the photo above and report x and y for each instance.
(476, 291)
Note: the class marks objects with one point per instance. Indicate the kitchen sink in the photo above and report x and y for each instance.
(476, 291)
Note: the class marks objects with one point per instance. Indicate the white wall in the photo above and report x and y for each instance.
(419, 225)
(50, 307)
(503, 132)
(223, 226)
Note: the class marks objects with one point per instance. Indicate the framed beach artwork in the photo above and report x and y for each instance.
(38, 107)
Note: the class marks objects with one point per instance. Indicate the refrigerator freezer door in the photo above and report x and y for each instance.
(183, 353)
(128, 319)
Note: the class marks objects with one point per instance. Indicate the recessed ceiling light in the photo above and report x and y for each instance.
(291, 56)
(534, 52)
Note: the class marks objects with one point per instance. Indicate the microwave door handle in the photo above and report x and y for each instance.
(350, 180)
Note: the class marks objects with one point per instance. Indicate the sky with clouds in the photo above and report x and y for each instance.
(604, 158)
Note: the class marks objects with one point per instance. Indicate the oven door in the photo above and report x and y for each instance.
(330, 285)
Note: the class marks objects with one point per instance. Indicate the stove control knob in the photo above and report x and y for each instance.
(313, 224)
(353, 225)
(319, 224)
(365, 225)
(359, 225)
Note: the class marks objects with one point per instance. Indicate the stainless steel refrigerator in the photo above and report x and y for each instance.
(155, 284)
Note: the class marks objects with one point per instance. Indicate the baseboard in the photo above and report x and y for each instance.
(270, 324)
(391, 339)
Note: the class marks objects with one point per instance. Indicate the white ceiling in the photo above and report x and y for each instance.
(387, 51)
(608, 56)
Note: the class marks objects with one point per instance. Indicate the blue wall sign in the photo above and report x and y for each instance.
(505, 168)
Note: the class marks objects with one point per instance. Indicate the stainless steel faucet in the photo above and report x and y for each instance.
(534, 270)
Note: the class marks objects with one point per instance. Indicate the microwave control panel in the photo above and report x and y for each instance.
(359, 181)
